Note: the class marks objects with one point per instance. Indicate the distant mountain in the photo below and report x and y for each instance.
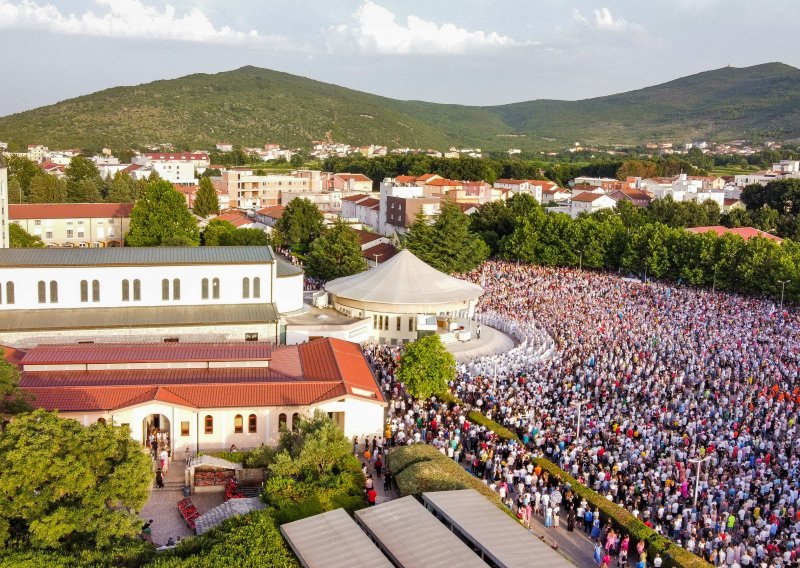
(252, 106)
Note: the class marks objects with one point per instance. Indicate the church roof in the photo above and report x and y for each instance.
(134, 256)
(404, 279)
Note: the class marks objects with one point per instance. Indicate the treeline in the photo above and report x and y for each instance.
(492, 169)
(628, 241)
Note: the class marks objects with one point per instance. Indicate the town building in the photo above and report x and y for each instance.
(589, 202)
(358, 183)
(635, 196)
(145, 294)
(746, 233)
(38, 153)
(5, 241)
(532, 187)
(405, 299)
(84, 225)
(206, 396)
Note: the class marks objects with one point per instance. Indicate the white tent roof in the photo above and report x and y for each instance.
(404, 279)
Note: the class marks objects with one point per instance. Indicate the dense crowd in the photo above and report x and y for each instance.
(663, 377)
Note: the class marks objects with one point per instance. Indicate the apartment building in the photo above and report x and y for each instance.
(84, 225)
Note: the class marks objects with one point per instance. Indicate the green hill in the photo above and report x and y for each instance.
(251, 106)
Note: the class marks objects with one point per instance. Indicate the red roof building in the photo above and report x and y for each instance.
(199, 393)
(746, 233)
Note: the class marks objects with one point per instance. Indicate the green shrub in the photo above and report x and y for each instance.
(676, 557)
(448, 397)
(501, 431)
(400, 458)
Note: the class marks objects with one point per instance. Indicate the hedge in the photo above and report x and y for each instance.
(676, 557)
(501, 431)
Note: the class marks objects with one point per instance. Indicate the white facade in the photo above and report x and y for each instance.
(38, 153)
(390, 188)
(4, 220)
(181, 173)
(598, 203)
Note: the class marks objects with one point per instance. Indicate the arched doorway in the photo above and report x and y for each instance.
(156, 427)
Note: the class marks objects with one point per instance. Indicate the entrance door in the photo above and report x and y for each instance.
(156, 427)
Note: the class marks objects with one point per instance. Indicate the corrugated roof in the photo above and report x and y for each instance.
(69, 210)
(287, 269)
(149, 316)
(154, 377)
(146, 353)
(134, 256)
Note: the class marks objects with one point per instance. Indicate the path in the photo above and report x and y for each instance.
(492, 341)
(162, 506)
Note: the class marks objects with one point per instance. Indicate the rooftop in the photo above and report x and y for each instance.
(134, 256)
(68, 210)
(745, 232)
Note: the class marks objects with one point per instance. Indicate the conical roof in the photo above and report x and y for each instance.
(404, 279)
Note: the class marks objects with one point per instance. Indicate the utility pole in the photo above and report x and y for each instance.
(783, 284)
(698, 461)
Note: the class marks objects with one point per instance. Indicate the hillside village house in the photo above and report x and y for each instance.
(206, 396)
(588, 202)
(74, 224)
(358, 183)
(145, 295)
(532, 187)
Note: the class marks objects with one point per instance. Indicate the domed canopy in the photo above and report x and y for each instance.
(404, 280)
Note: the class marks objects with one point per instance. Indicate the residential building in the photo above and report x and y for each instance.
(636, 197)
(555, 195)
(176, 167)
(731, 204)
(5, 241)
(240, 220)
(224, 146)
(532, 187)
(345, 182)
(268, 216)
(139, 295)
(589, 202)
(38, 153)
(206, 396)
(401, 212)
(84, 225)
(375, 248)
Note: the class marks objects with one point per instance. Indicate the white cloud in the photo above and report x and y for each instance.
(376, 30)
(130, 19)
(604, 21)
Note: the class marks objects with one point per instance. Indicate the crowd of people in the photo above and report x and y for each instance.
(667, 381)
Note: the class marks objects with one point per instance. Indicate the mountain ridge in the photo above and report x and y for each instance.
(252, 105)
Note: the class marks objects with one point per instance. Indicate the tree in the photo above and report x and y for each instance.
(121, 188)
(64, 484)
(300, 223)
(23, 170)
(245, 238)
(12, 399)
(206, 201)
(86, 190)
(449, 246)
(215, 230)
(20, 238)
(426, 367)
(46, 188)
(15, 193)
(80, 168)
(335, 253)
(161, 218)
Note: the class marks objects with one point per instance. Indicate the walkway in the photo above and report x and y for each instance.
(162, 506)
(492, 341)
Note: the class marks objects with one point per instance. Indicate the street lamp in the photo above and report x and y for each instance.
(376, 255)
(578, 404)
(698, 461)
(783, 284)
(580, 261)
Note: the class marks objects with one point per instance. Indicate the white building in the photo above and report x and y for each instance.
(145, 294)
(206, 396)
(532, 187)
(38, 153)
(588, 202)
(4, 219)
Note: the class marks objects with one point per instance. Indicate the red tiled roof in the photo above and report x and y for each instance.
(745, 232)
(237, 219)
(369, 202)
(731, 201)
(405, 179)
(274, 211)
(155, 377)
(355, 177)
(587, 196)
(69, 210)
(366, 237)
(444, 183)
(385, 251)
(93, 353)
(185, 156)
(355, 198)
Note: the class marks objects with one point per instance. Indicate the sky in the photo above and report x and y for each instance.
(479, 52)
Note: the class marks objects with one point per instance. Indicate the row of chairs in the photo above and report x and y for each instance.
(188, 511)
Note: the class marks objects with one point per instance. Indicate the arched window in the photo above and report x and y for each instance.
(245, 287)
(256, 287)
(295, 421)
(126, 290)
(95, 290)
(204, 288)
(215, 288)
(53, 292)
(137, 290)
(252, 424)
(238, 424)
(165, 289)
(176, 289)
(9, 292)
(209, 424)
(42, 292)
(84, 290)
(281, 421)
(102, 421)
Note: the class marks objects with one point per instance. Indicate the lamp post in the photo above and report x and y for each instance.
(698, 461)
(714, 285)
(376, 255)
(578, 404)
(580, 261)
(783, 284)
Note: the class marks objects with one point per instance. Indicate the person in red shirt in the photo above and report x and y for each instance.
(371, 496)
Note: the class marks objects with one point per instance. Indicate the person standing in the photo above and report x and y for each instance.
(387, 480)
(159, 479)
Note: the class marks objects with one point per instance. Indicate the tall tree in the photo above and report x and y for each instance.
(121, 188)
(426, 367)
(20, 238)
(300, 223)
(62, 483)
(15, 193)
(214, 231)
(46, 188)
(81, 168)
(86, 190)
(12, 399)
(450, 246)
(23, 170)
(161, 218)
(335, 253)
(245, 238)
(206, 201)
